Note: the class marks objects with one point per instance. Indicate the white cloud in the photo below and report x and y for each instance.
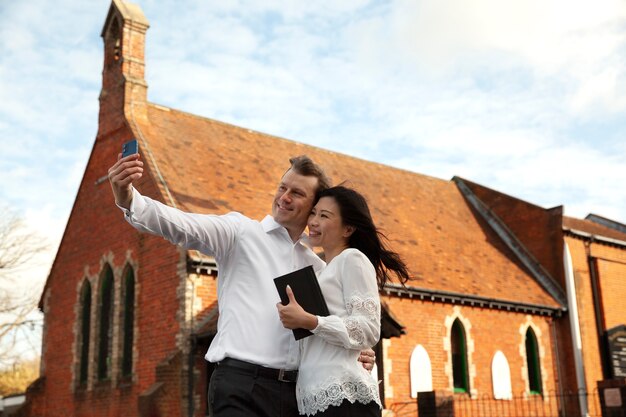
(602, 92)
(549, 35)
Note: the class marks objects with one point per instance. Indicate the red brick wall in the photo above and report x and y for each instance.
(612, 281)
(427, 323)
(586, 314)
(611, 277)
(97, 232)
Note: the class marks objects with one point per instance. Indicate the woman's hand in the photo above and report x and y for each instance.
(293, 315)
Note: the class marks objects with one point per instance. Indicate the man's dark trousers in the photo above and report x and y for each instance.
(241, 389)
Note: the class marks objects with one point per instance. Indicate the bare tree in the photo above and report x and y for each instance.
(19, 248)
(15, 379)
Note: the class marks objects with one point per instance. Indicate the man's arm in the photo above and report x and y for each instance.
(209, 234)
(121, 176)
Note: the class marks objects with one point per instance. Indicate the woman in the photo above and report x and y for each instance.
(331, 382)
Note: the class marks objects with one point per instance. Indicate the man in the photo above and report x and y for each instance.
(257, 357)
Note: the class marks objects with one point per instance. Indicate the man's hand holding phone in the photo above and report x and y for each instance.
(130, 148)
(127, 169)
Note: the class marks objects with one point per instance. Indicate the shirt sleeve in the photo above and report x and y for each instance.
(209, 234)
(359, 328)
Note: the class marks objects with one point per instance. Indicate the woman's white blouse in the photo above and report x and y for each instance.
(329, 370)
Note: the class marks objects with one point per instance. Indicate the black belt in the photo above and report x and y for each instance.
(258, 370)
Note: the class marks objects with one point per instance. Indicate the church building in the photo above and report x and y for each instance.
(510, 304)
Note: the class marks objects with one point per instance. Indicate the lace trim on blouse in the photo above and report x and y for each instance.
(334, 391)
(358, 305)
(357, 308)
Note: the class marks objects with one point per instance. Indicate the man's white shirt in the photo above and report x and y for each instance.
(249, 254)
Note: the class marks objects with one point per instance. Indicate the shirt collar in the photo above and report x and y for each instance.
(269, 225)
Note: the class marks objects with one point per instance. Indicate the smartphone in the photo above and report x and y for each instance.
(130, 147)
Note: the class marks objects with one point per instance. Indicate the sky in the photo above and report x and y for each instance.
(525, 96)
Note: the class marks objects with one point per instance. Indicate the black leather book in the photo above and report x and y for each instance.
(306, 289)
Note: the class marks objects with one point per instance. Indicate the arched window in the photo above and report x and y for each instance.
(420, 371)
(113, 44)
(105, 319)
(501, 377)
(532, 362)
(128, 321)
(459, 357)
(85, 327)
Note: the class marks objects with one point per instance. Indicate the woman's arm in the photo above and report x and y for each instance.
(360, 327)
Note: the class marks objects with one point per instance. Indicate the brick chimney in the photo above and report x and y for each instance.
(124, 89)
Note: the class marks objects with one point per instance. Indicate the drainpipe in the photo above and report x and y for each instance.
(575, 327)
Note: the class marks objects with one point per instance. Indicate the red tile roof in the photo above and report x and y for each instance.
(213, 167)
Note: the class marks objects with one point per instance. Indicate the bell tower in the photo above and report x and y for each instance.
(124, 88)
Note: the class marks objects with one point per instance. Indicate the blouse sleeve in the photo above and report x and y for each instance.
(359, 328)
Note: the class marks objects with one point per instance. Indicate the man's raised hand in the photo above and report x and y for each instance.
(121, 176)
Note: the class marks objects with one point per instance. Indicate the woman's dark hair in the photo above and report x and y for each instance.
(366, 237)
